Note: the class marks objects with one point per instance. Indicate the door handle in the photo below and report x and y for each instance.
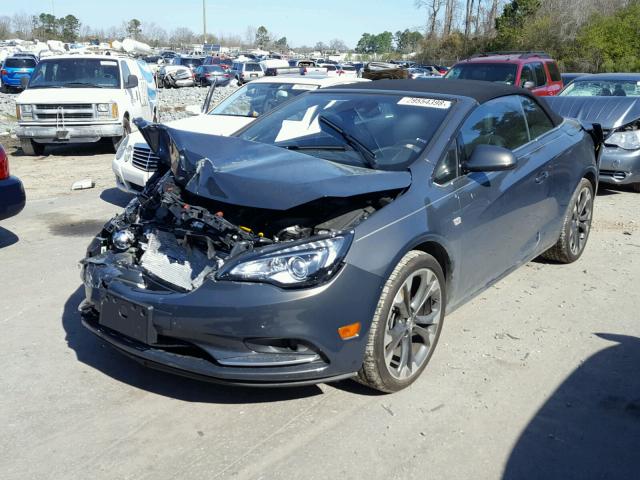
(542, 176)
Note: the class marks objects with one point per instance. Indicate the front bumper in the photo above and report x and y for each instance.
(69, 133)
(12, 197)
(225, 331)
(619, 166)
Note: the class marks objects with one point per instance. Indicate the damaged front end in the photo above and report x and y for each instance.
(215, 265)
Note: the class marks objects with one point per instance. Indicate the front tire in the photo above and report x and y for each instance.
(126, 127)
(576, 226)
(29, 147)
(406, 324)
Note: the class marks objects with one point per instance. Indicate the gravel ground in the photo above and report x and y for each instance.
(172, 103)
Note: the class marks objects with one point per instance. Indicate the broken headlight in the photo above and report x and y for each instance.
(292, 264)
(629, 140)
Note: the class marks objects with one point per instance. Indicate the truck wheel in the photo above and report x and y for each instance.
(29, 147)
(636, 187)
(126, 126)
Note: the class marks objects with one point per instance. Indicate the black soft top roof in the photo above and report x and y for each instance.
(478, 90)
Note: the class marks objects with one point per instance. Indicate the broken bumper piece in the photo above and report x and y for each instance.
(250, 334)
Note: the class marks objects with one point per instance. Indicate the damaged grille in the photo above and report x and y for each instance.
(178, 265)
(144, 159)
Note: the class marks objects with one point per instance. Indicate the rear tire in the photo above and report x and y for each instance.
(31, 148)
(406, 324)
(576, 226)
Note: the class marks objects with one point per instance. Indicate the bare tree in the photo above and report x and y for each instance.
(433, 8)
(22, 25)
(5, 26)
(449, 15)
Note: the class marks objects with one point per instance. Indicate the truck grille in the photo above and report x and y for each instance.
(53, 116)
(59, 112)
(144, 159)
(68, 106)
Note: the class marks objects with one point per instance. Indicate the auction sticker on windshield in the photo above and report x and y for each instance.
(425, 102)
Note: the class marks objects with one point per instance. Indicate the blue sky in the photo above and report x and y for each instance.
(301, 21)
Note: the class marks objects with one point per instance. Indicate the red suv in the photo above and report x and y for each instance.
(536, 71)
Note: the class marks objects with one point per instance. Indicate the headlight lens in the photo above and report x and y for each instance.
(301, 264)
(103, 107)
(122, 148)
(25, 111)
(629, 140)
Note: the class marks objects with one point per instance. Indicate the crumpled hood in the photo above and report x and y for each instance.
(609, 112)
(244, 173)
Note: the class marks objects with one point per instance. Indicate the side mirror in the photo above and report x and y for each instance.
(529, 85)
(192, 109)
(132, 82)
(490, 158)
(24, 81)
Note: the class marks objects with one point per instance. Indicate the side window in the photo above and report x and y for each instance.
(125, 72)
(447, 169)
(537, 119)
(540, 74)
(554, 72)
(498, 122)
(526, 75)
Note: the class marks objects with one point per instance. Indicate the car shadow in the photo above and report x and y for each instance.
(99, 355)
(71, 149)
(590, 426)
(7, 238)
(116, 197)
(609, 189)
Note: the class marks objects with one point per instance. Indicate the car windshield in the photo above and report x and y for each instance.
(383, 131)
(19, 63)
(254, 99)
(76, 72)
(489, 72)
(602, 88)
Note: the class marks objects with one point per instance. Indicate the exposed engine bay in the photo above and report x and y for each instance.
(179, 239)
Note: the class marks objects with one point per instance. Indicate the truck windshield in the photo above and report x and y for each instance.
(76, 73)
(489, 72)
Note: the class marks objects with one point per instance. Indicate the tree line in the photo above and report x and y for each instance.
(583, 35)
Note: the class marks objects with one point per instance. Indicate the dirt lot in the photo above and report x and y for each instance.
(536, 378)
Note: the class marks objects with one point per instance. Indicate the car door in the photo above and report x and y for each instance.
(135, 108)
(540, 80)
(499, 210)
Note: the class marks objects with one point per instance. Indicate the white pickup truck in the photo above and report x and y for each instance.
(83, 98)
(135, 163)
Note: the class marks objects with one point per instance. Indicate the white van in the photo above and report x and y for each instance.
(83, 98)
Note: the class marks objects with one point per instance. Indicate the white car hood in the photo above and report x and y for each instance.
(69, 95)
(223, 125)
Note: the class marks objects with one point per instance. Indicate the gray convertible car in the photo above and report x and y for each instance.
(328, 239)
(613, 101)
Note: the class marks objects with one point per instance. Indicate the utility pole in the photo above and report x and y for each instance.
(204, 22)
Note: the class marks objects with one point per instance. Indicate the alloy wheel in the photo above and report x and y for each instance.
(412, 324)
(580, 221)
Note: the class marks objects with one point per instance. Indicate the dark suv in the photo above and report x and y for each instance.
(535, 71)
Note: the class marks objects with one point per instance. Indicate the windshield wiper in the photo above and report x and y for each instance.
(367, 154)
(81, 84)
(336, 148)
